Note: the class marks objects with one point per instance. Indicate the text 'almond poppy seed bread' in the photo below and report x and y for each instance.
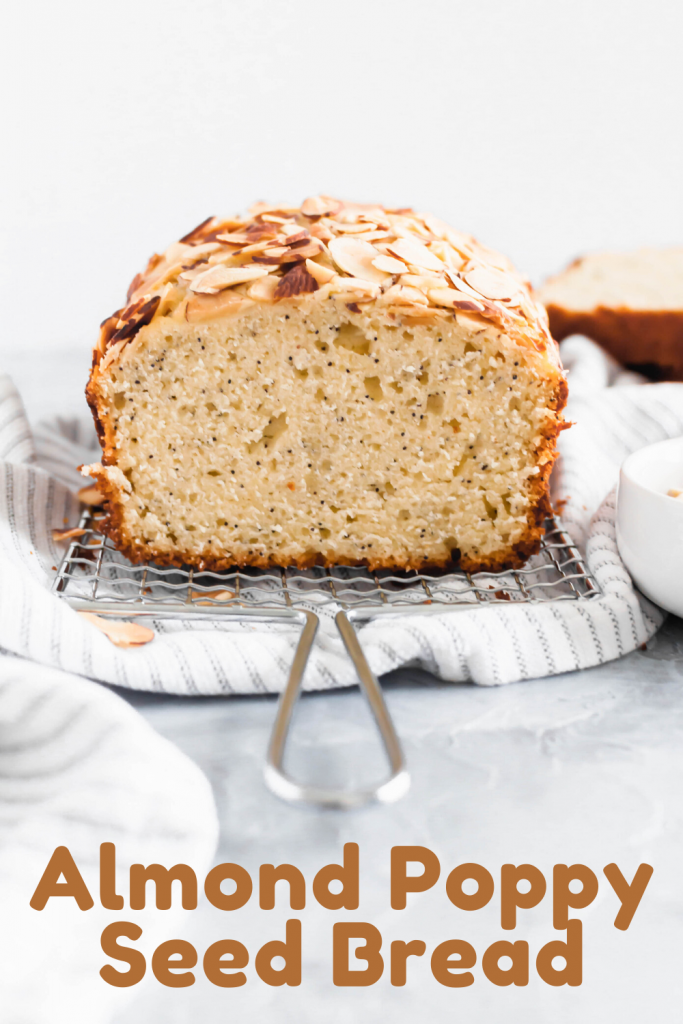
(328, 384)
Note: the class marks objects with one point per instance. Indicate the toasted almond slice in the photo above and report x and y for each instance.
(297, 254)
(209, 596)
(375, 236)
(203, 307)
(319, 272)
(354, 284)
(423, 281)
(355, 257)
(276, 250)
(350, 213)
(413, 251)
(75, 531)
(390, 265)
(399, 295)
(462, 285)
(217, 278)
(234, 238)
(297, 281)
(264, 289)
(293, 233)
(255, 247)
(455, 300)
(190, 273)
(321, 230)
(122, 634)
(90, 495)
(360, 227)
(68, 535)
(420, 314)
(320, 206)
(492, 284)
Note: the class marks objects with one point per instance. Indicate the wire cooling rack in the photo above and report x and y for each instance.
(95, 577)
(94, 570)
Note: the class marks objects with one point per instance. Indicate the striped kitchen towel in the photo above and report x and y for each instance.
(614, 413)
(80, 767)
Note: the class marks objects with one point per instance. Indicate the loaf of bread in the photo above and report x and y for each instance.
(630, 303)
(328, 384)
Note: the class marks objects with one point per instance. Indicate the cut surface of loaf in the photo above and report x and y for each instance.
(328, 384)
(631, 303)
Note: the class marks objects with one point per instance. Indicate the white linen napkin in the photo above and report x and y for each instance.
(79, 767)
(614, 414)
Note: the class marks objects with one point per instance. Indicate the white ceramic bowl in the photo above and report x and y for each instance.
(650, 523)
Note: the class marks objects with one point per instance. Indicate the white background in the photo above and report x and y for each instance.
(546, 128)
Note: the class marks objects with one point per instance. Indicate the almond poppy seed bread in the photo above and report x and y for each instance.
(631, 303)
(328, 384)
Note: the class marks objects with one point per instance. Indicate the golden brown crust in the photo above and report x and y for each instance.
(649, 340)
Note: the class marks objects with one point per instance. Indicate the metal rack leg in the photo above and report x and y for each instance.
(281, 783)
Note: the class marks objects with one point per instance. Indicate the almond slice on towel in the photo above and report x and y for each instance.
(75, 531)
(122, 634)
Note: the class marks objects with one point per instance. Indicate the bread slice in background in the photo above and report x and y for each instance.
(327, 384)
(630, 303)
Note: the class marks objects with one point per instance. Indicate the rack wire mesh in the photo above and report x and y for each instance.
(94, 576)
(94, 571)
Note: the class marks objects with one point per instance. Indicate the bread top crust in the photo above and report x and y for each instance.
(406, 266)
(644, 280)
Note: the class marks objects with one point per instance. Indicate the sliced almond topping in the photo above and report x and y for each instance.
(292, 234)
(454, 300)
(350, 213)
(360, 227)
(200, 231)
(492, 284)
(423, 281)
(375, 236)
(247, 250)
(399, 295)
(75, 531)
(413, 251)
(297, 281)
(122, 634)
(320, 206)
(356, 258)
(302, 252)
(390, 265)
(90, 495)
(219, 277)
(276, 250)
(264, 289)
(420, 314)
(319, 272)
(204, 307)
(462, 285)
(236, 237)
(354, 284)
(198, 251)
(321, 230)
